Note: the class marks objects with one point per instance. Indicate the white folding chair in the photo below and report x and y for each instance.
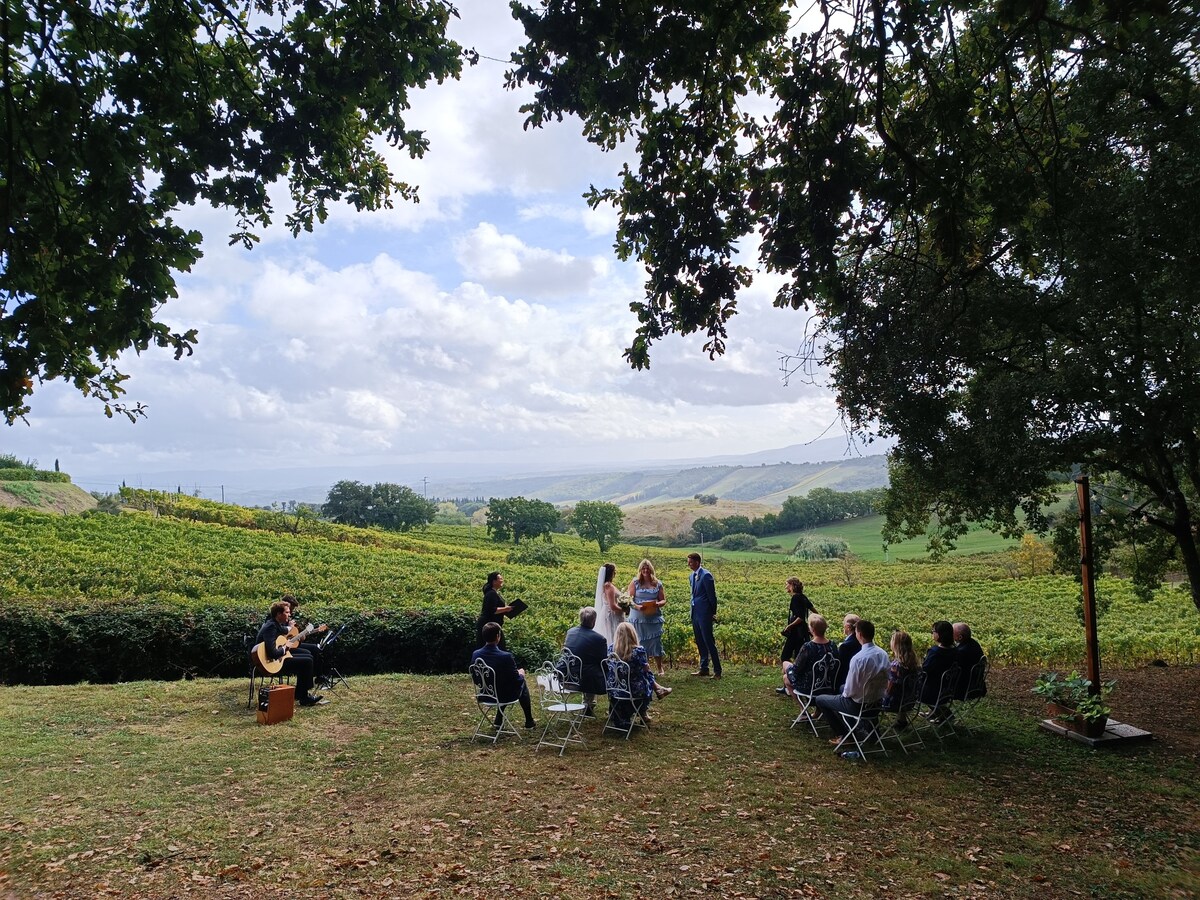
(904, 710)
(937, 715)
(570, 668)
(620, 698)
(966, 709)
(862, 726)
(559, 711)
(824, 676)
(491, 710)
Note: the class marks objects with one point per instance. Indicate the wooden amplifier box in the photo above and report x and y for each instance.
(276, 703)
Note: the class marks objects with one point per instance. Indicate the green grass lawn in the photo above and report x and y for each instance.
(171, 789)
(865, 540)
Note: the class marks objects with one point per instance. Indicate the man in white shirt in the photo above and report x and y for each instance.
(866, 680)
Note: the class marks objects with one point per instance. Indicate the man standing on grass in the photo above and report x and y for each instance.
(704, 614)
(865, 682)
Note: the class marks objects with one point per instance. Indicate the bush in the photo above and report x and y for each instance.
(172, 636)
(810, 548)
(23, 474)
(538, 553)
(741, 541)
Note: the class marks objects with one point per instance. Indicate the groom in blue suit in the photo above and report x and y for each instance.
(704, 613)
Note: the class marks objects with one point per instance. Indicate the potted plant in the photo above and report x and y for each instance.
(1071, 701)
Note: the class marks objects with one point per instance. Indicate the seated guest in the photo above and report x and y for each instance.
(591, 648)
(510, 681)
(847, 648)
(938, 660)
(864, 682)
(904, 666)
(797, 675)
(295, 663)
(969, 653)
(641, 679)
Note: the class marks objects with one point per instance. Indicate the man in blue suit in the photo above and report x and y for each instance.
(704, 614)
(510, 681)
(591, 648)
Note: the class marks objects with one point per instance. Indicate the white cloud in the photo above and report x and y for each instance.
(487, 322)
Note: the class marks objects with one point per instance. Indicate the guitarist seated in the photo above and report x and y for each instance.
(298, 664)
(312, 648)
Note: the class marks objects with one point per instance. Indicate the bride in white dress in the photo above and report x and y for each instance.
(608, 611)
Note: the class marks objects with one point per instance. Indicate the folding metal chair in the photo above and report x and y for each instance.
(937, 715)
(570, 668)
(620, 698)
(824, 677)
(490, 708)
(862, 727)
(904, 710)
(559, 711)
(966, 709)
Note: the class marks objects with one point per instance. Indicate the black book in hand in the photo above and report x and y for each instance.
(518, 607)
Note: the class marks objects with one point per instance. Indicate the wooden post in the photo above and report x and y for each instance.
(1087, 569)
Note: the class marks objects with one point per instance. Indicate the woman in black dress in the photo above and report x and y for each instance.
(795, 633)
(494, 608)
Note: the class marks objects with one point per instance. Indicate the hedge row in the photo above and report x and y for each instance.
(172, 637)
(34, 475)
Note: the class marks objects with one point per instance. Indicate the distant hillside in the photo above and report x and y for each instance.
(765, 485)
(45, 496)
(676, 516)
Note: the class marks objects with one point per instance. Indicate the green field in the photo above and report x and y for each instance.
(61, 564)
(865, 540)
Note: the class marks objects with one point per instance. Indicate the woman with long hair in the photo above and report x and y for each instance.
(646, 616)
(904, 665)
(641, 680)
(609, 613)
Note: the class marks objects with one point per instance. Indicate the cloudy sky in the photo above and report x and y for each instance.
(485, 323)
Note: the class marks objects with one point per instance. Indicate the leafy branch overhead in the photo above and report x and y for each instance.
(117, 113)
(992, 208)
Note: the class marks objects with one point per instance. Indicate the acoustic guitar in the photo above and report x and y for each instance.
(263, 659)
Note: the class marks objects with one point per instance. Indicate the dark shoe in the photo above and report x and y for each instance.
(716, 674)
(531, 724)
(780, 690)
(313, 700)
(589, 713)
(701, 674)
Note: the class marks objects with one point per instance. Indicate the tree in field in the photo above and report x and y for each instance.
(595, 520)
(115, 114)
(392, 507)
(348, 503)
(992, 210)
(514, 518)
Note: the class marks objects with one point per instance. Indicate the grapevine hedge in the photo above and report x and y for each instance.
(161, 593)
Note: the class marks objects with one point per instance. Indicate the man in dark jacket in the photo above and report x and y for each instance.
(847, 648)
(590, 647)
(510, 681)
